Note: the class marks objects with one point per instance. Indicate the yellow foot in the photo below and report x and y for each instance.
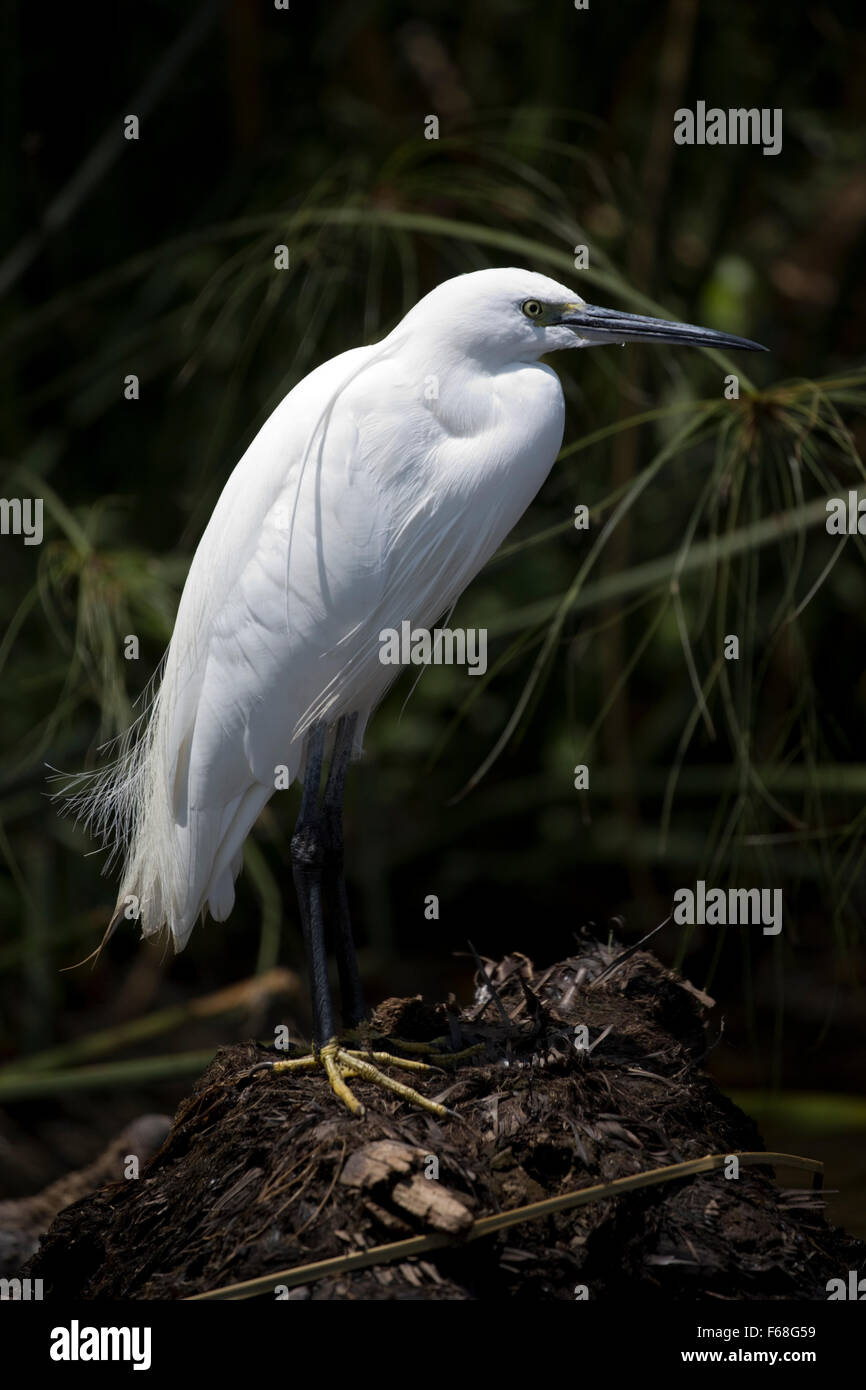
(340, 1062)
(430, 1050)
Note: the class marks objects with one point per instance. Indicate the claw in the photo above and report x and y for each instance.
(425, 1049)
(340, 1062)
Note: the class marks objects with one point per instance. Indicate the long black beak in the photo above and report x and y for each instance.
(613, 326)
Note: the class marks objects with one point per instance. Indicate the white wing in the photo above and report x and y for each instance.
(181, 799)
(357, 506)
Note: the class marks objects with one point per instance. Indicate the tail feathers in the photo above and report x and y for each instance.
(221, 896)
(94, 955)
(167, 811)
(174, 874)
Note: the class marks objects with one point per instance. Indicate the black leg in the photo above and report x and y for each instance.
(308, 856)
(317, 844)
(351, 992)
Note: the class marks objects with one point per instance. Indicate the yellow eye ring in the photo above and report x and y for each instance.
(531, 308)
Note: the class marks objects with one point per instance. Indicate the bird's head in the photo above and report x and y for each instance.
(507, 315)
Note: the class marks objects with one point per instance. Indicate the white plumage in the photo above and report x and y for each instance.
(374, 493)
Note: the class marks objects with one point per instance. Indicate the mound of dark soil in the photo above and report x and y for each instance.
(263, 1172)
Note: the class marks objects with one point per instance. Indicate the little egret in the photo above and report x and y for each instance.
(372, 495)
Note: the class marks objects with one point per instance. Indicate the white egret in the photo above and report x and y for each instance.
(373, 494)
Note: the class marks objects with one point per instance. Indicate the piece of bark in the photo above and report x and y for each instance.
(432, 1204)
(387, 1163)
(380, 1162)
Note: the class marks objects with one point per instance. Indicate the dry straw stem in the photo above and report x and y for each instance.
(489, 1225)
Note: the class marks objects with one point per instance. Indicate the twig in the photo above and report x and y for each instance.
(490, 985)
(488, 1225)
(624, 955)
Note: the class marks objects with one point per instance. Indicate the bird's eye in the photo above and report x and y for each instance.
(531, 308)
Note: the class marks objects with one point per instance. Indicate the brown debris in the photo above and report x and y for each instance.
(263, 1173)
